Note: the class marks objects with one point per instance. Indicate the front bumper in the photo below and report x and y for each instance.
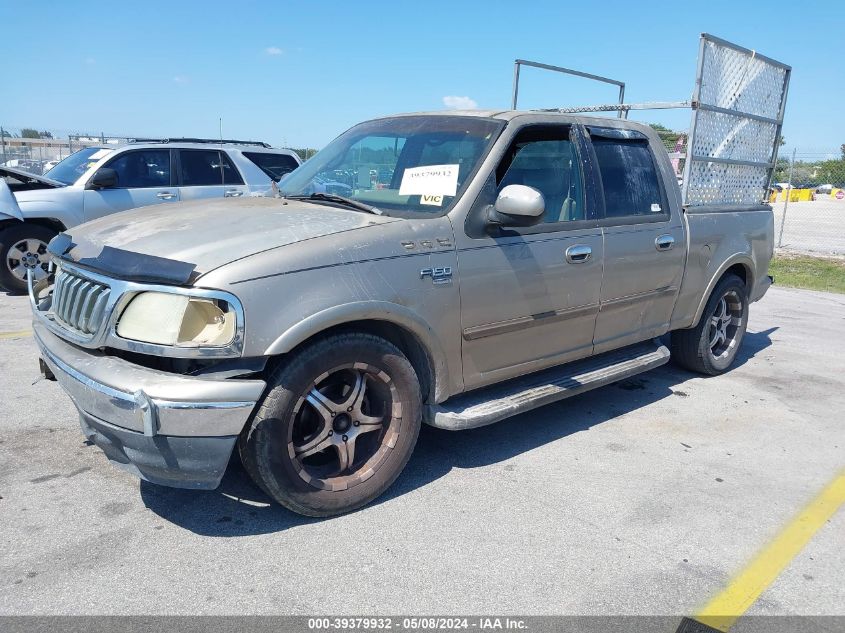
(166, 428)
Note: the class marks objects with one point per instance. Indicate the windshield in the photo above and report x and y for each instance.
(406, 166)
(71, 168)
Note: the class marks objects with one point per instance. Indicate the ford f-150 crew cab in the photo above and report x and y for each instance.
(481, 264)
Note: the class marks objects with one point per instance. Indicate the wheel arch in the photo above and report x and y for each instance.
(739, 264)
(395, 323)
(49, 223)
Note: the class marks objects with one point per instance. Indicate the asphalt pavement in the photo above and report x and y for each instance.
(644, 497)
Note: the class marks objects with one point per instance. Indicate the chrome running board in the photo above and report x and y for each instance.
(497, 402)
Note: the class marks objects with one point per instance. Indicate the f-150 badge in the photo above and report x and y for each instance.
(438, 274)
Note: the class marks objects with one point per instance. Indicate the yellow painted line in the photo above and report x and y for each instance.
(18, 334)
(723, 610)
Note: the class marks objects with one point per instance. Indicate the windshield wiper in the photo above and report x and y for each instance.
(349, 202)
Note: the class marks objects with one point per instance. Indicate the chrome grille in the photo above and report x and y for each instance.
(79, 303)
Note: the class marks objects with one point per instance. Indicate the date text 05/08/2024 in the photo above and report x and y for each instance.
(416, 624)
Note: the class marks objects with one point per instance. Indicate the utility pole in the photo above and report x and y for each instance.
(3, 142)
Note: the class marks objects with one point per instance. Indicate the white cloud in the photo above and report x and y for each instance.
(459, 103)
(181, 79)
(273, 50)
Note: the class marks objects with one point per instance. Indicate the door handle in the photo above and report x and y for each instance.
(165, 195)
(664, 242)
(233, 193)
(578, 254)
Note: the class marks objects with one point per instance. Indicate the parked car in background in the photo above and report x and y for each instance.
(321, 184)
(25, 164)
(98, 181)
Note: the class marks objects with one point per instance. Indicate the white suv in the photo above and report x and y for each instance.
(98, 181)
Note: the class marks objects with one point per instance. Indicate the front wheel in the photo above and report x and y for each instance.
(23, 248)
(336, 427)
(712, 345)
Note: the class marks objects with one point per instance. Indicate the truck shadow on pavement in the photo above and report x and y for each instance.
(239, 508)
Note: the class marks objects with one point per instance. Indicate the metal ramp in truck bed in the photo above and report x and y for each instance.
(737, 114)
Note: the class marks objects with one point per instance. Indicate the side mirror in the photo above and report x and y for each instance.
(103, 178)
(517, 205)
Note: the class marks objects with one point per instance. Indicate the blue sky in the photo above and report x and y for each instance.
(300, 73)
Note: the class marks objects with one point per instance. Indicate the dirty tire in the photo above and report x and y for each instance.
(695, 349)
(10, 237)
(305, 407)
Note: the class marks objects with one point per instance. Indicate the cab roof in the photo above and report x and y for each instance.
(537, 116)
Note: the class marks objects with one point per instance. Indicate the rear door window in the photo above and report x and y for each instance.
(629, 178)
(274, 165)
(207, 167)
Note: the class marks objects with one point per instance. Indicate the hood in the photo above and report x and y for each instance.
(199, 236)
(8, 205)
(27, 190)
(34, 182)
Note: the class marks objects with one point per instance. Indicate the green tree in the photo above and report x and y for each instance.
(781, 170)
(669, 137)
(829, 172)
(304, 153)
(803, 174)
(28, 132)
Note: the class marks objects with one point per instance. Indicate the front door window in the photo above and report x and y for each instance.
(141, 169)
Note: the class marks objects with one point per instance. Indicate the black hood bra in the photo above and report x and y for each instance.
(123, 264)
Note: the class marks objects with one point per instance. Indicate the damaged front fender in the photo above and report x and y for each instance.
(9, 208)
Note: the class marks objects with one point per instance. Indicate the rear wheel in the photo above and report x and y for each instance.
(711, 346)
(336, 427)
(23, 248)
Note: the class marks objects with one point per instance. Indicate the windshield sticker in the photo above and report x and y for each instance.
(431, 180)
(435, 201)
(655, 208)
(100, 154)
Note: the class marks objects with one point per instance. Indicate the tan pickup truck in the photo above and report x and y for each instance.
(450, 268)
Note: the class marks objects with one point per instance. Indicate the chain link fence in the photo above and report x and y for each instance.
(808, 199)
(37, 151)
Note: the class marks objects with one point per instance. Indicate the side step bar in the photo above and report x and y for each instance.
(497, 402)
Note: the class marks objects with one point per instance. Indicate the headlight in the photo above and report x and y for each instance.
(172, 319)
